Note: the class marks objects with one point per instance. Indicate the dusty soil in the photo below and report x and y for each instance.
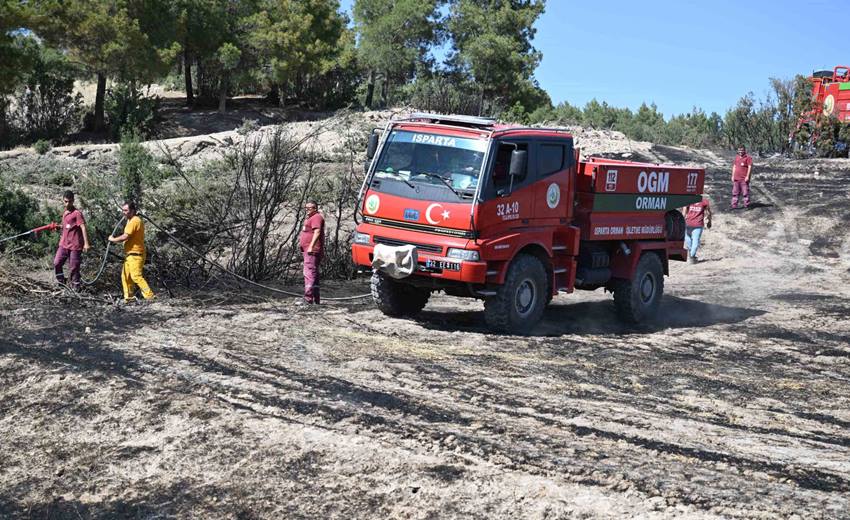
(735, 403)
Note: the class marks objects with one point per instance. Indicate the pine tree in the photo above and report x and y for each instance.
(394, 37)
(492, 43)
(107, 36)
(14, 60)
(294, 41)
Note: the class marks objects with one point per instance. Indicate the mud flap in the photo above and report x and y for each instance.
(397, 262)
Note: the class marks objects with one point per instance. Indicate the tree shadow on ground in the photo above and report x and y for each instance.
(599, 317)
(182, 499)
(62, 339)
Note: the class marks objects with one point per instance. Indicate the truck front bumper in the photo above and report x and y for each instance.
(469, 272)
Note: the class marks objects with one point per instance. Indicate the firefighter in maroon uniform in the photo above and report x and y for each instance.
(312, 244)
(697, 217)
(72, 243)
(742, 168)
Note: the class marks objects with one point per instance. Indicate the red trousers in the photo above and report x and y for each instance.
(64, 255)
(311, 277)
(743, 188)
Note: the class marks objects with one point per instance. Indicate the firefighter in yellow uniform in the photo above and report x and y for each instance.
(134, 254)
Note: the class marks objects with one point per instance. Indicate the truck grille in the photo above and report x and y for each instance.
(393, 242)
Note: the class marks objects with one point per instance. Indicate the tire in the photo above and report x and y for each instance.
(518, 304)
(674, 224)
(638, 299)
(397, 299)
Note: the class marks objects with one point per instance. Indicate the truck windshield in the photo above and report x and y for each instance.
(439, 160)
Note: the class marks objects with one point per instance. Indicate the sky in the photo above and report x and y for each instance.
(682, 54)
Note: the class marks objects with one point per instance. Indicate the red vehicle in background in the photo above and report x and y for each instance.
(831, 92)
(830, 98)
(510, 215)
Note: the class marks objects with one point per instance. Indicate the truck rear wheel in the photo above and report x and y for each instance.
(638, 299)
(518, 305)
(674, 225)
(397, 299)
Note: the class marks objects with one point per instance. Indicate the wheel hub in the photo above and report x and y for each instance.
(647, 288)
(525, 296)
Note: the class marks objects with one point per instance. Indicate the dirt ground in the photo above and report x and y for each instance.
(735, 403)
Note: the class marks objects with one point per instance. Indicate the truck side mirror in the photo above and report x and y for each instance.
(372, 147)
(519, 160)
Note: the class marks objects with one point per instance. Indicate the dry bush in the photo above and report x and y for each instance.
(245, 210)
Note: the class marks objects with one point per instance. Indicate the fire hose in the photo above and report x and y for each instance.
(240, 277)
(53, 226)
(49, 227)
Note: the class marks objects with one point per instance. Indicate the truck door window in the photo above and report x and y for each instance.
(502, 165)
(552, 159)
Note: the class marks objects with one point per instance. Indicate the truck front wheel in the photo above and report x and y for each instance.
(638, 299)
(397, 299)
(518, 305)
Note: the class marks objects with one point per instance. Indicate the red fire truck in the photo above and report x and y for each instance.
(830, 98)
(510, 215)
(831, 92)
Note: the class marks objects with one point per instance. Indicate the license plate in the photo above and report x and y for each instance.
(442, 264)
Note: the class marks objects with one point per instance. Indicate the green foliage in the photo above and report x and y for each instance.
(14, 58)
(98, 193)
(46, 106)
(647, 124)
(844, 135)
(228, 56)
(395, 37)
(19, 213)
(248, 126)
(119, 39)
(16, 210)
(833, 139)
(492, 43)
(442, 93)
(130, 111)
(754, 125)
(42, 146)
(137, 169)
(516, 114)
(294, 41)
(113, 37)
(40, 169)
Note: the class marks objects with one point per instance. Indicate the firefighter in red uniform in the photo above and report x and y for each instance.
(697, 217)
(742, 168)
(312, 244)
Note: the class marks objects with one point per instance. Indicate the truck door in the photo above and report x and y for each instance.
(552, 188)
(508, 202)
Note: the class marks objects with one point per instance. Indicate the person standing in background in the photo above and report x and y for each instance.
(742, 168)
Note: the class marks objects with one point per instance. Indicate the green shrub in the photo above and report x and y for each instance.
(45, 104)
(131, 112)
(19, 213)
(62, 178)
(42, 146)
(248, 126)
(441, 94)
(137, 169)
(97, 192)
(32, 169)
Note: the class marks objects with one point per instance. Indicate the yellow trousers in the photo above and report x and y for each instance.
(131, 277)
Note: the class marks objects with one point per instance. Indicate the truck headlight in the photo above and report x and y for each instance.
(361, 238)
(463, 254)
